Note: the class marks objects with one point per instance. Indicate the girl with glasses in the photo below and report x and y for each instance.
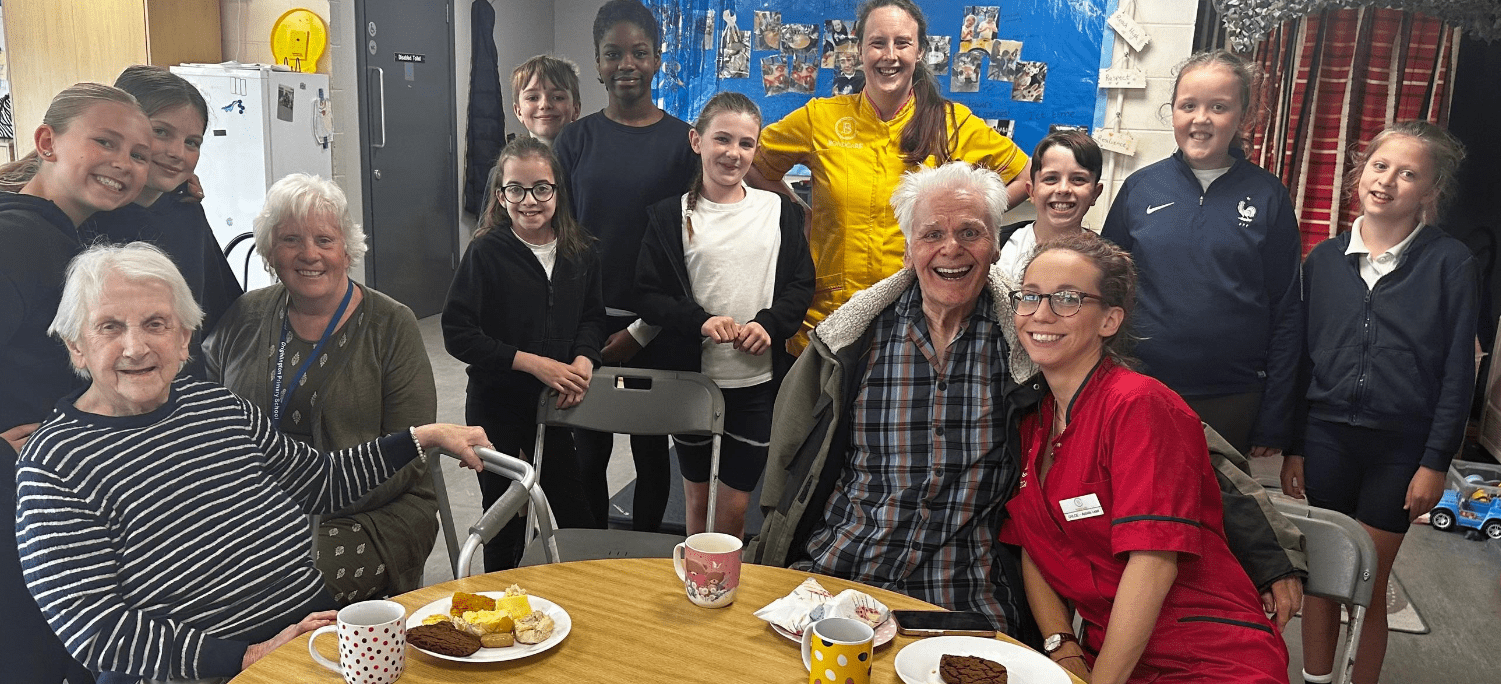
(525, 312)
(1118, 512)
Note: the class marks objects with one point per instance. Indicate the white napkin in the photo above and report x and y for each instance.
(810, 602)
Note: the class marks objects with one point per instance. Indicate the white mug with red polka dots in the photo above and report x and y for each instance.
(372, 642)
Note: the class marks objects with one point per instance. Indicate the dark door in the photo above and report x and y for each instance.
(407, 135)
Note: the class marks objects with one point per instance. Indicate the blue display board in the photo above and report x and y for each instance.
(1026, 65)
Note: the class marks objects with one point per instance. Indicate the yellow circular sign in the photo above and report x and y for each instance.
(298, 39)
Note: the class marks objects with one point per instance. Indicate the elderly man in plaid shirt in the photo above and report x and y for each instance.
(890, 462)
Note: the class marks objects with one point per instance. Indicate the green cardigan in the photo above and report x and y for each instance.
(385, 384)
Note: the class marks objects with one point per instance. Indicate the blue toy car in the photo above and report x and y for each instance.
(1475, 507)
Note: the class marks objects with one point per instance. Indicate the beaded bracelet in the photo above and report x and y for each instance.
(421, 453)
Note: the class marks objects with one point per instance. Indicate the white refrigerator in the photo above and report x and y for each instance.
(264, 123)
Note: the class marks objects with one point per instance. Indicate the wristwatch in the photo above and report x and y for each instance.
(1054, 642)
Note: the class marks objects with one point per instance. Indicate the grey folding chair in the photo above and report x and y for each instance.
(636, 401)
(523, 491)
(1341, 567)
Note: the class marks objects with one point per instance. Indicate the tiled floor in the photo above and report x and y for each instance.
(1454, 583)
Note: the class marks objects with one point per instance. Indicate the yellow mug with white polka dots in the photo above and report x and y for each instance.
(838, 651)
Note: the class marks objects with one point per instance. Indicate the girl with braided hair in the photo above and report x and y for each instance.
(725, 271)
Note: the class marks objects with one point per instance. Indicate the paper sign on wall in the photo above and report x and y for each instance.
(1127, 27)
(1119, 142)
(1123, 78)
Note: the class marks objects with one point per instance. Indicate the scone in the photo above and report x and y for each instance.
(534, 628)
(958, 669)
(443, 639)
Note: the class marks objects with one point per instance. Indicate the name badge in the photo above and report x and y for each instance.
(1087, 506)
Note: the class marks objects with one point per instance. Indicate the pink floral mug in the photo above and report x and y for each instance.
(372, 642)
(708, 563)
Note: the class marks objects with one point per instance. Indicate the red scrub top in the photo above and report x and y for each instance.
(1139, 451)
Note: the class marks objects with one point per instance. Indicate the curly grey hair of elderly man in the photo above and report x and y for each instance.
(299, 197)
(90, 272)
(916, 186)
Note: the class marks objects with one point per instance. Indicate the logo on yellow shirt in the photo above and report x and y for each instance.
(845, 128)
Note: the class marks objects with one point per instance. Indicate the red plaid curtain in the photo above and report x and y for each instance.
(1333, 80)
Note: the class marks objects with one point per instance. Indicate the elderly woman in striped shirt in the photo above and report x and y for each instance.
(163, 523)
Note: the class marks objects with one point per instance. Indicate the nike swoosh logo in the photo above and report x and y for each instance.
(1153, 210)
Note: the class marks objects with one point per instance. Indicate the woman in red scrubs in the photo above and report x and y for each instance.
(1118, 511)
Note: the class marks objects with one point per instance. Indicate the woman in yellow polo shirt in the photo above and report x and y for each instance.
(857, 147)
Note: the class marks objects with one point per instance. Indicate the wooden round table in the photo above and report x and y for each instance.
(631, 623)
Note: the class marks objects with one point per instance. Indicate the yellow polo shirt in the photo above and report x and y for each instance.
(856, 161)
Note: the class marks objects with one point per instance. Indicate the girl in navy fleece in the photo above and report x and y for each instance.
(93, 150)
(1392, 309)
(1216, 245)
(164, 215)
(525, 312)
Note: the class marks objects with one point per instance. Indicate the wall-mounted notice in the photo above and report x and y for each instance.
(1030, 63)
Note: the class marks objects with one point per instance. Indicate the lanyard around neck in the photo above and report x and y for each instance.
(279, 398)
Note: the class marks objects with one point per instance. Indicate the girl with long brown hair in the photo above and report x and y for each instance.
(525, 312)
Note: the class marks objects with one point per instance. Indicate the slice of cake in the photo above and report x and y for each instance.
(463, 602)
(959, 669)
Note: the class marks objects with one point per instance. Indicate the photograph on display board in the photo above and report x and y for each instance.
(937, 56)
(978, 28)
(1006, 127)
(768, 30)
(847, 75)
(708, 26)
(1054, 128)
(966, 76)
(804, 72)
(734, 50)
(836, 35)
(1031, 79)
(1004, 56)
(799, 37)
(774, 74)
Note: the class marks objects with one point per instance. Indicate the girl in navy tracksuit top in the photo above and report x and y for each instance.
(525, 312)
(1392, 309)
(1216, 245)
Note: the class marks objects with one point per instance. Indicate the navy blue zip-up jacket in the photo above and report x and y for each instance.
(1218, 302)
(1401, 355)
(502, 302)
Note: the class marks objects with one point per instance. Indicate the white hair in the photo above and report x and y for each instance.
(917, 186)
(136, 262)
(298, 197)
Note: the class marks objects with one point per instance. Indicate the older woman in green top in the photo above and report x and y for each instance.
(335, 364)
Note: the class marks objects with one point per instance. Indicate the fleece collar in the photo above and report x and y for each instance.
(848, 323)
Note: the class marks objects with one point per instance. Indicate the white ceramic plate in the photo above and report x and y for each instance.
(885, 632)
(918, 662)
(562, 624)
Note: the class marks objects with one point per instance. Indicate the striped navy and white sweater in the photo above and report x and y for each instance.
(163, 545)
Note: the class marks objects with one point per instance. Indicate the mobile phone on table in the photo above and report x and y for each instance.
(942, 623)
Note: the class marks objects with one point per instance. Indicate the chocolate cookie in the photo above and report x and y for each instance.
(443, 639)
(957, 669)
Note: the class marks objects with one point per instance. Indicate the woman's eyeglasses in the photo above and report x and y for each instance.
(516, 194)
(1064, 303)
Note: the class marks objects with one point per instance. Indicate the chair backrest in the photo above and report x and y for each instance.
(640, 401)
(1341, 555)
(249, 239)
